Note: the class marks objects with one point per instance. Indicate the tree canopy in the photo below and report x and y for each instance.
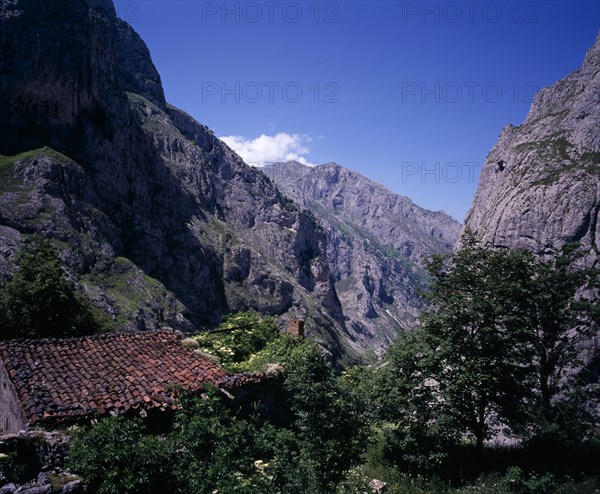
(39, 302)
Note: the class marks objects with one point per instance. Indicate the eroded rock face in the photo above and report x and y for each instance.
(540, 184)
(378, 241)
(155, 218)
(52, 92)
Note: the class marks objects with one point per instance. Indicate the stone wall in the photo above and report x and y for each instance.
(295, 327)
(35, 464)
(11, 416)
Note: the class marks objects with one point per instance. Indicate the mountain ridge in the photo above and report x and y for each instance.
(379, 242)
(362, 175)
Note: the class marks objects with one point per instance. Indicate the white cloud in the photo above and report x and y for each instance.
(265, 148)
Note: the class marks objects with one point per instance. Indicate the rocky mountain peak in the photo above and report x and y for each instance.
(571, 105)
(106, 6)
(592, 57)
(369, 204)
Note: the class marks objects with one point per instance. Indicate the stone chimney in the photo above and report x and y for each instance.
(295, 327)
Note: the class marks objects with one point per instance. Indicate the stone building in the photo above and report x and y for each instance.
(50, 382)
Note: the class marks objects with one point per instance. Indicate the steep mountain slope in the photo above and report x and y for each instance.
(540, 184)
(156, 219)
(378, 241)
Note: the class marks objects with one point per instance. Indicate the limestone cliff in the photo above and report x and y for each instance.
(540, 184)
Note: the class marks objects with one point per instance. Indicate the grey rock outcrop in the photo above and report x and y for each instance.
(378, 241)
(540, 184)
(155, 218)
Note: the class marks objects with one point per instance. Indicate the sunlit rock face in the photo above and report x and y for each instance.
(540, 184)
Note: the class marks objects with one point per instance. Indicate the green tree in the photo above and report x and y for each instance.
(213, 450)
(559, 321)
(474, 335)
(329, 423)
(39, 302)
(561, 318)
(501, 332)
(417, 433)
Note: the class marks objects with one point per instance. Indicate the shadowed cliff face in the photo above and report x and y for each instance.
(53, 53)
(378, 241)
(139, 73)
(540, 184)
(156, 219)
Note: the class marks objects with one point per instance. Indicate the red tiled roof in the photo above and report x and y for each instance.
(96, 375)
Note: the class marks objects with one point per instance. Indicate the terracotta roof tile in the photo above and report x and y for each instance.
(74, 378)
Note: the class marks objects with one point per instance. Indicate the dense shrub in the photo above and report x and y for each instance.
(118, 456)
(238, 338)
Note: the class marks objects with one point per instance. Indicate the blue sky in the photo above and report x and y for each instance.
(410, 94)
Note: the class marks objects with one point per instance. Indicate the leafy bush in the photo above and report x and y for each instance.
(356, 481)
(118, 456)
(288, 205)
(239, 337)
(515, 481)
(13, 468)
(207, 450)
